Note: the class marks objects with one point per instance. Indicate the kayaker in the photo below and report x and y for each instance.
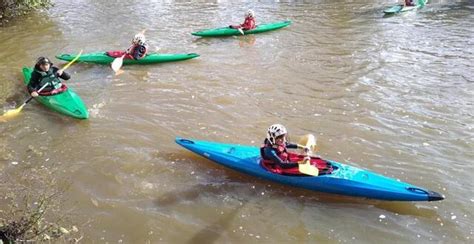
(249, 22)
(409, 3)
(274, 149)
(44, 72)
(139, 47)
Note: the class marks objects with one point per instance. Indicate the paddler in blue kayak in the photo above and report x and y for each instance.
(139, 47)
(274, 149)
(249, 22)
(46, 76)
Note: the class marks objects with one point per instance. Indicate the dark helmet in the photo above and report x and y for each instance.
(43, 60)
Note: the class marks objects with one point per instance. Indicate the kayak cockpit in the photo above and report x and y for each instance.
(323, 166)
(57, 91)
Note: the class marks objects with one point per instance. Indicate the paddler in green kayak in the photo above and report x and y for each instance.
(274, 148)
(139, 47)
(409, 3)
(46, 76)
(249, 22)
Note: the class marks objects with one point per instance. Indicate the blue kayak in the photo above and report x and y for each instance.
(342, 179)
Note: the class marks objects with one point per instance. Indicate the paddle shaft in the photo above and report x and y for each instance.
(31, 97)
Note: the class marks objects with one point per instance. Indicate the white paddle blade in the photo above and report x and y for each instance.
(309, 141)
(241, 31)
(117, 63)
(308, 169)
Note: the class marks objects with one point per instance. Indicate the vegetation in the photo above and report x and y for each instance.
(32, 208)
(11, 8)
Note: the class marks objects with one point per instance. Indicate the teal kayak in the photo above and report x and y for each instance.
(402, 8)
(227, 31)
(109, 57)
(65, 101)
(340, 179)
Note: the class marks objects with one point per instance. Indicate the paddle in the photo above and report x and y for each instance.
(13, 112)
(307, 168)
(241, 31)
(118, 62)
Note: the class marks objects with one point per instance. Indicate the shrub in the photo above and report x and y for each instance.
(11, 8)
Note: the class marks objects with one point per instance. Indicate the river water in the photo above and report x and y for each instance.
(390, 94)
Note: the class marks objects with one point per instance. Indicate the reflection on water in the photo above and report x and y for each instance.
(393, 95)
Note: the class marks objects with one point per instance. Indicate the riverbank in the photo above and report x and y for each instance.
(13, 8)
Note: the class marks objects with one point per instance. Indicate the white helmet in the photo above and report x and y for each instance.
(249, 13)
(275, 131)
(139, 39)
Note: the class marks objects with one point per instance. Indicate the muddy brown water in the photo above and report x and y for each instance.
(391, 94)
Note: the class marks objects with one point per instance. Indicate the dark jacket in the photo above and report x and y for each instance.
(138, 51)
(269, 152)
(39, 78)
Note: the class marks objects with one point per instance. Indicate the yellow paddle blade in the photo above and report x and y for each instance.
(117, 63)
(12, 112)
(308, 169)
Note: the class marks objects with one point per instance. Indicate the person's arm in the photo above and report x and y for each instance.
(65, 76)
(34, 82)
(129, 49)
(297, 146)
(271, 154)
(61, 74)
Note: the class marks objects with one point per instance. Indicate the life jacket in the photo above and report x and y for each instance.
(249, 23)
(129, 55)
(280, 151)
(50, 78)
(141, 49)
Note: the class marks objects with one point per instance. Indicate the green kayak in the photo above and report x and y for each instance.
(66, 101)
(226, 31)
(402, 8)
(108, 57)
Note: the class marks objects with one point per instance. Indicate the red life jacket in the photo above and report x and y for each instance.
(248, 24)
(280, 151)
(129, 55)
